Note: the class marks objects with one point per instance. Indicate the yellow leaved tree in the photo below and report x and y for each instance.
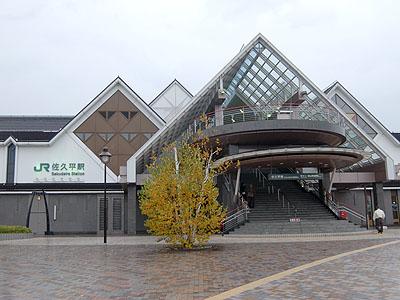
(180, 196)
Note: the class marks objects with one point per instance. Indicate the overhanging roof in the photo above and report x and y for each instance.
(262, 77)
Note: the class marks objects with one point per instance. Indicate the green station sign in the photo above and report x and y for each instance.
(60, 168)
(295, 176)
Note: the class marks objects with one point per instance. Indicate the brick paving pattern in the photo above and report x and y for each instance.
(65, 268)
(373, 274)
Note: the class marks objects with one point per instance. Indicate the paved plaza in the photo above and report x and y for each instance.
(141, 268)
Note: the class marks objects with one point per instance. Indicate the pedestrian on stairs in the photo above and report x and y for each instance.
(250, 196)
(379, 215)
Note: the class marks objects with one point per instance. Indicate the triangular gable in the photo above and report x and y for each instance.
(364, 120)
(265, 79)
(337, 89)
(116, 85)
(168, 103)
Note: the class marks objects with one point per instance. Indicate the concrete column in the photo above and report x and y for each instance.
(379, 196)
(219, 115)
(131, 208)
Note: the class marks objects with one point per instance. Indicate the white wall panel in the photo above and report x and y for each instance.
(65, 150)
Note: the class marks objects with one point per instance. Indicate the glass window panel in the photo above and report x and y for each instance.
(351, 134)
(273, 59)
(10, 163)
(368, 129)
(253, 98)
(254, 68)
(352, 117)
(266, 52)
(253, 53)
(281, 67)
(267, 68)
(106, 136)
(263, 87)
(289, 74)
(256, 81)
(268, 81)
(312, 96)
(260, 61)
(306, 89)
(274, 74)
(261, 74)
(104, 114)
(259, 47)
(125, 114)
(375, 156)
(251, 88)
(347, 109)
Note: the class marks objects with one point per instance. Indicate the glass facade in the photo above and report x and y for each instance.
(354, 116)
(266, 83)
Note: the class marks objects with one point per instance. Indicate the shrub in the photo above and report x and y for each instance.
(14, 229)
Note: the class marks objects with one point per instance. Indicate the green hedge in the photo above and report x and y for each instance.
(14, 229)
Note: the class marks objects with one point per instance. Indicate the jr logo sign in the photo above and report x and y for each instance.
(60, 169)
(42, 167)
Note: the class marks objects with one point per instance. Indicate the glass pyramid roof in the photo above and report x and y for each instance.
(261, 78)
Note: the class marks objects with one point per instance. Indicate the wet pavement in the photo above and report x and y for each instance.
(374, 274)
(139, 268)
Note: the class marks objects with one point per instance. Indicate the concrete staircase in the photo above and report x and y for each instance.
(269, 216)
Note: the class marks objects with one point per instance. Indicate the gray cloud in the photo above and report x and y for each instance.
(57, 55)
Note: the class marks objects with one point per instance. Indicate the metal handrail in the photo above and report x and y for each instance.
(280, 194)
(336, 208)
(246, 114)
(236, 219)
(352, 212)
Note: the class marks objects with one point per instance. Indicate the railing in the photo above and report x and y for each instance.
(337, 208)
(281, 196)
(235, 218)
(353, 213)
(248, 114)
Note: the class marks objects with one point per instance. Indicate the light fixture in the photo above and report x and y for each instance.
(105, 157)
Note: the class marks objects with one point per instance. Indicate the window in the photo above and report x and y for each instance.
(128, 136)
(106, 136)
(10, 163)
(107, 114)
(128, 114)
(84, 136)
(148, 135)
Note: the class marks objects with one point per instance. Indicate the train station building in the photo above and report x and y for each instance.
(308, 155)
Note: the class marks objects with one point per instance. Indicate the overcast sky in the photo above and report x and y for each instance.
(56, 56)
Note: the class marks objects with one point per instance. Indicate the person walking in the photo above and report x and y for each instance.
(379, 215)
(250, 196)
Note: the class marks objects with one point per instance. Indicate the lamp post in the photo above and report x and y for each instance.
(105, 157)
